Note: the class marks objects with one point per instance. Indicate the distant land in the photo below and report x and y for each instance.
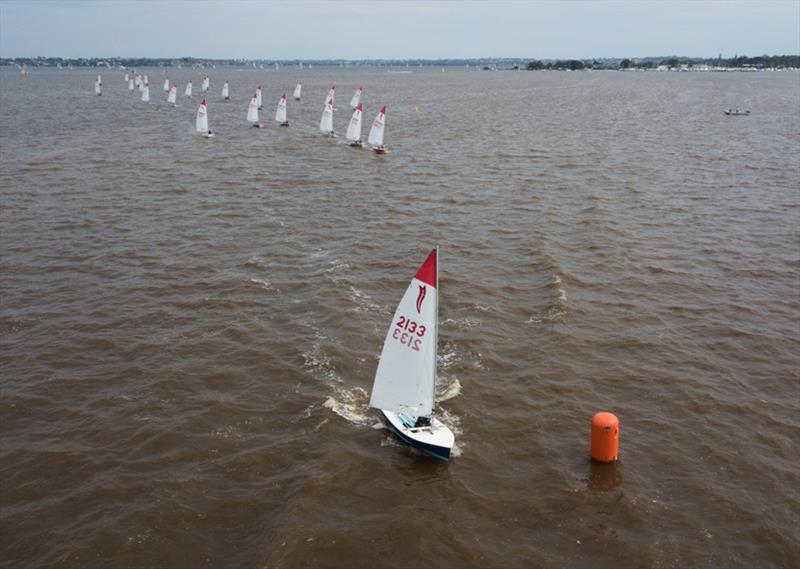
(670, 62)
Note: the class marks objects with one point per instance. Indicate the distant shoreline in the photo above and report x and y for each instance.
(663, 63)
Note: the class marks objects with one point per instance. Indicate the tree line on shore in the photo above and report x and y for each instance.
(737, 61)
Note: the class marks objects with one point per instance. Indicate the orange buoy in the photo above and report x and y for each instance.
(605, 437)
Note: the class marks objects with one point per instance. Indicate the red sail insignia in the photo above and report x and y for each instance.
(421, 297)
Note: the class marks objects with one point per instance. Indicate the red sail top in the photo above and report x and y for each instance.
(427, 271)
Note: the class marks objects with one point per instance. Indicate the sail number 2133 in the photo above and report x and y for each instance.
(409, 333)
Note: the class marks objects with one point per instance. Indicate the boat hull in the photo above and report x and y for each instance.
(436, 440)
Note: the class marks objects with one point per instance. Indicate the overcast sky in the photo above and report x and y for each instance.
(383, 29)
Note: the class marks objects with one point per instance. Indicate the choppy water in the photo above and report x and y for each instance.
(190, 327)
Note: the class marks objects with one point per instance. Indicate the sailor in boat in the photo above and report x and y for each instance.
(380, 149)
(422, 422)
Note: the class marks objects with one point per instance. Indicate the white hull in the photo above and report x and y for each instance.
(435, 439)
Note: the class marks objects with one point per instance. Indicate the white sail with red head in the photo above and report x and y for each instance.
(280, 113)
(376, 132)
(201, 122)
(354, 128)
(252, 110)
(326, 122)
(405, 381)
(356, 98)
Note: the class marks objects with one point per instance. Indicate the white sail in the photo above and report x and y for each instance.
(405, 381)
(126, 76)
(326, 122)
(354, 128)
(258, 96)
(331, 95)
(280, 113)
(376, 132)
(173, 95)
(100, 79)
(201, 122)
(188, 91)
(356, 98)
(146, 93)
(130, 85)
(166, 85)
(225, 91)
(297, 90)
(206, 84)
(97, 90)
(252, 110)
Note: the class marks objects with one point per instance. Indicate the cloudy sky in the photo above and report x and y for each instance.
(377, 29)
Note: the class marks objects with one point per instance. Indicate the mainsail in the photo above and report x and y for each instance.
(405, 381)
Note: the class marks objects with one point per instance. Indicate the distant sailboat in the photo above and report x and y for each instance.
(297, 90)
(126, 75)
(404, 391)
(226, 91)
(258, 97)
(100, 79)
(280, 113)
(97, 90)
(201, 122)
(252, 112)
(326, 122)
(146, 93)
(354, 128)
(356, 98)
(166, 85)
(206, 84)
(130, 85)
(173, 95)
(376, 132)
(188, 91)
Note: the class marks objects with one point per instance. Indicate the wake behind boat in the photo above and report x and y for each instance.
(737, 112)
(405, 382)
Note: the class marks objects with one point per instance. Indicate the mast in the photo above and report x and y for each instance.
(436, 335)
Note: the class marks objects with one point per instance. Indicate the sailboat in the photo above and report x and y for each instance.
(331, 95)
(126, 75)
(258, 96)
(326, 122)
(354, 128)
(356, 98)
(404, 390)
(146, 93)
(100, 79)
(206, 84)
(226, 91)
(97, 90)
(188, 91)
(280, 113)
(297, 89)
(376, 132)
(130, 85)
(201, 122)
(252, 112)
(173, 95)
(166, 85)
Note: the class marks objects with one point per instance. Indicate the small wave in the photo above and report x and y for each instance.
(364, 302)
(453, 389)
(254, 261)
(552, 313)
(350, 404)
(463, 322)
(266, 284)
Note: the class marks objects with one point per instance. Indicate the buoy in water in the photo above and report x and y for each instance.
(605, 437)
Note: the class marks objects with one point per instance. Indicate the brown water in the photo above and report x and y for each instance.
(190, 327)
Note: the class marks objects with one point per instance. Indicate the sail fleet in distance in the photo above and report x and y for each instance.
(353, 135)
